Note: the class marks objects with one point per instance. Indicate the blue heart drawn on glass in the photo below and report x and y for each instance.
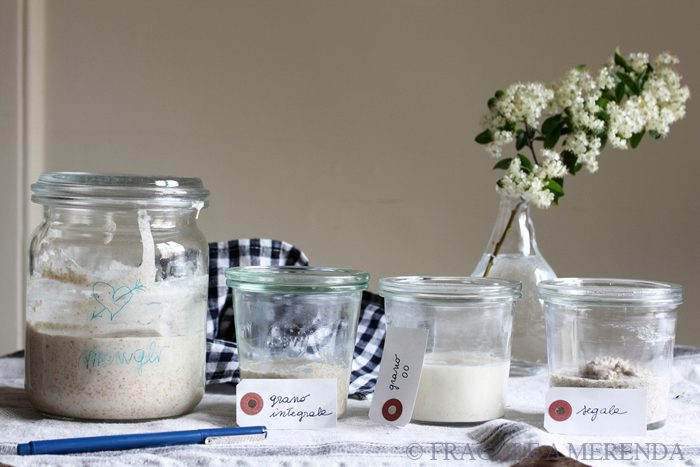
(112, 300)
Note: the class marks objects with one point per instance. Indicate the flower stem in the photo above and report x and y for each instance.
(530, 143)
(532, 149)
(499, 243)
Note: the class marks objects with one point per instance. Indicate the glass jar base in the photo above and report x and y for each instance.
(452, 424)
(523, 368)
(107, 420)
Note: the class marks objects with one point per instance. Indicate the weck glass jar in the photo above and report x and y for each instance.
(613, 333)
(467, 358)
(297, 322)
(116, 297)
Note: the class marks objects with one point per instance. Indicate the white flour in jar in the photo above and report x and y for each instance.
(289, 368)
(616, 373)
(455, 388)
(118, 377)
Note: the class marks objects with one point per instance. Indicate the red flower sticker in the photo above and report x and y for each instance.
(251, 403)
(560, 410)
(392, 409)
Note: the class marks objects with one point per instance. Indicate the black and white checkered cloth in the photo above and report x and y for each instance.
(222, 353)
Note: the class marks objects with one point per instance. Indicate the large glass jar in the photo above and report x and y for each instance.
(117, 297)
(613, 333)
(469, 319)
(297, 322)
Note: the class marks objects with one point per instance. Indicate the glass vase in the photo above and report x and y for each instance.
(512, 254)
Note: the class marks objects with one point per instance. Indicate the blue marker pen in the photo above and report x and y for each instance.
(143, 440)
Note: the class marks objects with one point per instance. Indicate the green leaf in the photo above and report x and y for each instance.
(485, 137)
(555, 187)
(603, 141)
(491, 103)
(603, 115)
(503, 164)
(551, 139)
(620, 91)
(499, 183)
(629, 82)
(510, 126)
(606, 94)
(525, 163)
(655, 134)
(551, 123)
(643, 77)
(570, 160)
(602, 102)
(636, 139)
(520, 140)
(581, 67)
(620, 61)
(531, 132)
(499, 94)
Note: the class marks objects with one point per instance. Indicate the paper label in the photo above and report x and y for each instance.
(595, 411)
(287, 403)
(399, 375)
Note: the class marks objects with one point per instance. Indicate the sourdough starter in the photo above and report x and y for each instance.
(142, 360)
(113, 377)
(460, 389)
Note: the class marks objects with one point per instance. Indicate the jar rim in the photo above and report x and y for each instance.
(90, 189)
(296, 279)
(610, 292)
(450, 288)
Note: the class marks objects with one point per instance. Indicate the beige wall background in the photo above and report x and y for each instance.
(347, 128)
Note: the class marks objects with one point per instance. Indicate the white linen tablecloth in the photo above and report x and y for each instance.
(358, 441)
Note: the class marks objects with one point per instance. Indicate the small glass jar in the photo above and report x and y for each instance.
(469, 321)
(116, 297)
(297, 322)
(613, 333)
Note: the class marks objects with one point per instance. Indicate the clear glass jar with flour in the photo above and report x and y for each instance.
(117, 297)
(613, 333)
(297, 322)
(469, 322)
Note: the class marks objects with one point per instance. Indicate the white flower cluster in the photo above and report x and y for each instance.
(590, 118)
(586, 147)
(579, 92)
(520, 102)
(533, 185)
(661, 103)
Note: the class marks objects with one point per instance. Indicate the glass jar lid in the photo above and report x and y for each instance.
(450, 288)
(610, 292)
(91, 189)
(298, 279)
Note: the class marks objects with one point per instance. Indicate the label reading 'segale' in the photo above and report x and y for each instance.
(595, 411)
(399, 375)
